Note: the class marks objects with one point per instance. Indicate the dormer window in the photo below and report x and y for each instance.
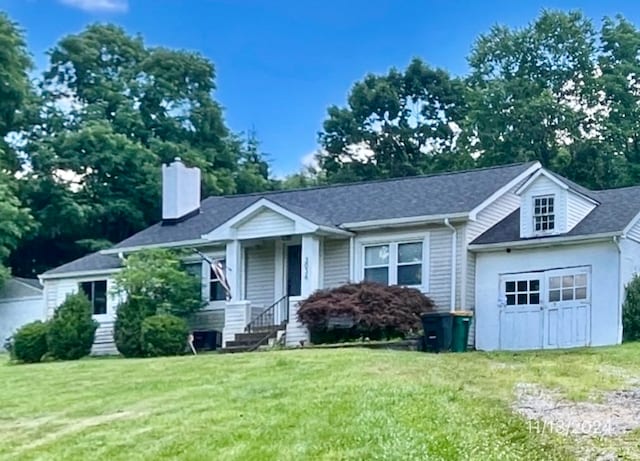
(543, 214)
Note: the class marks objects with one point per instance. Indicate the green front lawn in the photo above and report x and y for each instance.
(295, 405)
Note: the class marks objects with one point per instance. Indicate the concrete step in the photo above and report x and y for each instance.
(235, 349)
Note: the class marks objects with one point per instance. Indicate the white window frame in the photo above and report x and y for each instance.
(212, 279)
(205, 278)
(393, 241)
(548, 215)
(109, 306)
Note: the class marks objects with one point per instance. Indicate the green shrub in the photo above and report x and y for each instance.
(8, 345)
(160, 277)
(128, 326)
(363, 309)
(631, 311)
(164, 334)
(72, 329)
(30, 342)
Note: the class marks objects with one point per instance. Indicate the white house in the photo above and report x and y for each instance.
(542, 262)
(20, 302)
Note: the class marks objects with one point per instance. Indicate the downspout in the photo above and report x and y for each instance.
(616, 241)
(352, 259)
(454, 238)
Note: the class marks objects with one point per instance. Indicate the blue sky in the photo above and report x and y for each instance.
(281, 63)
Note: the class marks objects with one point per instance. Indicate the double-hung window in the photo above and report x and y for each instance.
(96, 291)
(543, 213)
(394, 263)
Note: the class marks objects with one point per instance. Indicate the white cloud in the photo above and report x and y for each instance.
(93, 6)
(310, 161)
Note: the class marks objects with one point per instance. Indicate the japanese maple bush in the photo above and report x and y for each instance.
(363, 309)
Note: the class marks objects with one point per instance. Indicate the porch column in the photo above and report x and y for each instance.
(310, 265)
(310, 282)
(234, 268)
(237, 313)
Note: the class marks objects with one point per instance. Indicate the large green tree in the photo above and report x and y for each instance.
(399, 124)
(15, 98)
(535, 94)
(112, 111)
(619, 63)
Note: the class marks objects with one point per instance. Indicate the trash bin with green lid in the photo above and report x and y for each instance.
(461, 324)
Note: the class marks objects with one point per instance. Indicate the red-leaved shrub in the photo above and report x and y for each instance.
(363, 309)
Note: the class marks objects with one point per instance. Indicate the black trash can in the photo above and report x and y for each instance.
(206, 340)
(437, 328)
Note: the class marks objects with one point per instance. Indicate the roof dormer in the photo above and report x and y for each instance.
(550, 205)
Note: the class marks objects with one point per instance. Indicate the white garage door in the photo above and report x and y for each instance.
(546, 309)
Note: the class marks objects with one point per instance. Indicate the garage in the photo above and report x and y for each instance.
(550, 297)
(545, 309)
(21, 302)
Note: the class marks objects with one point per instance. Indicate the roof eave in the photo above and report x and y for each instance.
(543, 242)
(400, 222)
(78, 274)
(176, 244)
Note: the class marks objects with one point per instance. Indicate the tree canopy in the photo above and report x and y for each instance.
(82, 140)
(15, 95)
(557, 90)
(112, 110)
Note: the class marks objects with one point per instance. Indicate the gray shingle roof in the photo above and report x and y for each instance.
(34, 283)
(90, 262)
(616, 210)
(446, 193)
(335, 205)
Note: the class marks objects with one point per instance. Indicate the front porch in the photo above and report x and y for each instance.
(276, 274)
(273, 260)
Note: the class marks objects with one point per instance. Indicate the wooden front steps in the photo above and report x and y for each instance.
(247, 342)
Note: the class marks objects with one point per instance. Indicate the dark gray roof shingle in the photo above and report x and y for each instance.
(616, 210)
(445, 193)
(90, 262)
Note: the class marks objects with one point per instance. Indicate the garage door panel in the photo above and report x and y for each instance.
(545, 309)
(552, 328)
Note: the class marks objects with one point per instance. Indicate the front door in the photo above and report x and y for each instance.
(293, 270)
(521, 311)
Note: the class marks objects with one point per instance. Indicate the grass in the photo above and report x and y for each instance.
(353, 404)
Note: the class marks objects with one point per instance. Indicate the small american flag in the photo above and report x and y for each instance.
(219, 270)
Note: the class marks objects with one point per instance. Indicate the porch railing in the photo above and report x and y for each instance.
(274, 315)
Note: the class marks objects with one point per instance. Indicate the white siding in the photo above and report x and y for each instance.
(577, 209)
(487, 218)
(209, 319)
(634, 232)
(57, 290)
(492, 214)
(260, 274)
(236, 317)
(440, 268)
(335, 267)
(265, 223)
(50, 297)
(543, 186)
(296, 331)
